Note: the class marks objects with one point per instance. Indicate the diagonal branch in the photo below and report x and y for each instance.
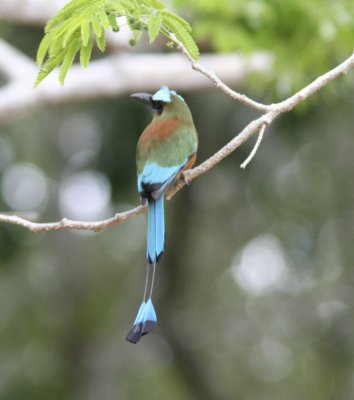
(252, 128)
(211, 75)
(267, 118)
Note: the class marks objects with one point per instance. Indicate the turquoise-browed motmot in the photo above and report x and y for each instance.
(165, 149)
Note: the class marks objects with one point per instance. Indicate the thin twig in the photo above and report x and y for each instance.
(218, 82)
(255, 148)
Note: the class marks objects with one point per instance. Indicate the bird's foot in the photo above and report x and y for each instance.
(186, 178)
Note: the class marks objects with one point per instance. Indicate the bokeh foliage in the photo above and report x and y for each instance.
(306, 37)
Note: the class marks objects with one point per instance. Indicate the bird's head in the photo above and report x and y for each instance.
(164, 101)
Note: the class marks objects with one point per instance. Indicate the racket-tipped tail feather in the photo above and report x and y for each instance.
(144, 323)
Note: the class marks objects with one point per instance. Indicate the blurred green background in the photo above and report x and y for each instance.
(255, 293)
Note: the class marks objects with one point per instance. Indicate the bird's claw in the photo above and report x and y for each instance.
(186, 179)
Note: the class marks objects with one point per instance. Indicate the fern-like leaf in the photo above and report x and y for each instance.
(113, 22)
(69, 33)
(177, 28)
(174, 18)
(101, 41)
(104, 19)
(68, 59)
(85, 53)
(55, 46)
(74, 6)
(85, 32)
(96, 25)
(154, 26)
(119, 8)
(159, 5)
(43, 49)
(80, 23)
(48, 67)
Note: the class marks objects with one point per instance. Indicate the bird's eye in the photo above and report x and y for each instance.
(157, 106)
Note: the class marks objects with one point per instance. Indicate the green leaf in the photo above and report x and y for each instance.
(101, 41)
(113, 22)
(96, 24)
(174, 26)
(159, 5)
(154, 25)
(54, 47)
(43, 49)
(119, 8)
(68, 60)
(69, 33)
(48, 67)
(167, 15)
(85, 53)
(74, 6)
(104, 19)
(85, 32)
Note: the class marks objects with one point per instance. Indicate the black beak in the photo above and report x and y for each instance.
(145, 97)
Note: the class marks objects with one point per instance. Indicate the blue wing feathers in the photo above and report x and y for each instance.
(156, 176)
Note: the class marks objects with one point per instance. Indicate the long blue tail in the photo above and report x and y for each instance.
(156, 230)
(146, 319)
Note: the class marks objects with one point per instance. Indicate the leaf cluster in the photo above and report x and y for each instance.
(81, 24)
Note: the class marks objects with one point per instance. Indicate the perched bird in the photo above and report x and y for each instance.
(167, 146)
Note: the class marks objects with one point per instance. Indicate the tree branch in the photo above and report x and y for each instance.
(65, 223)
(253, 127)
(266, 119)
